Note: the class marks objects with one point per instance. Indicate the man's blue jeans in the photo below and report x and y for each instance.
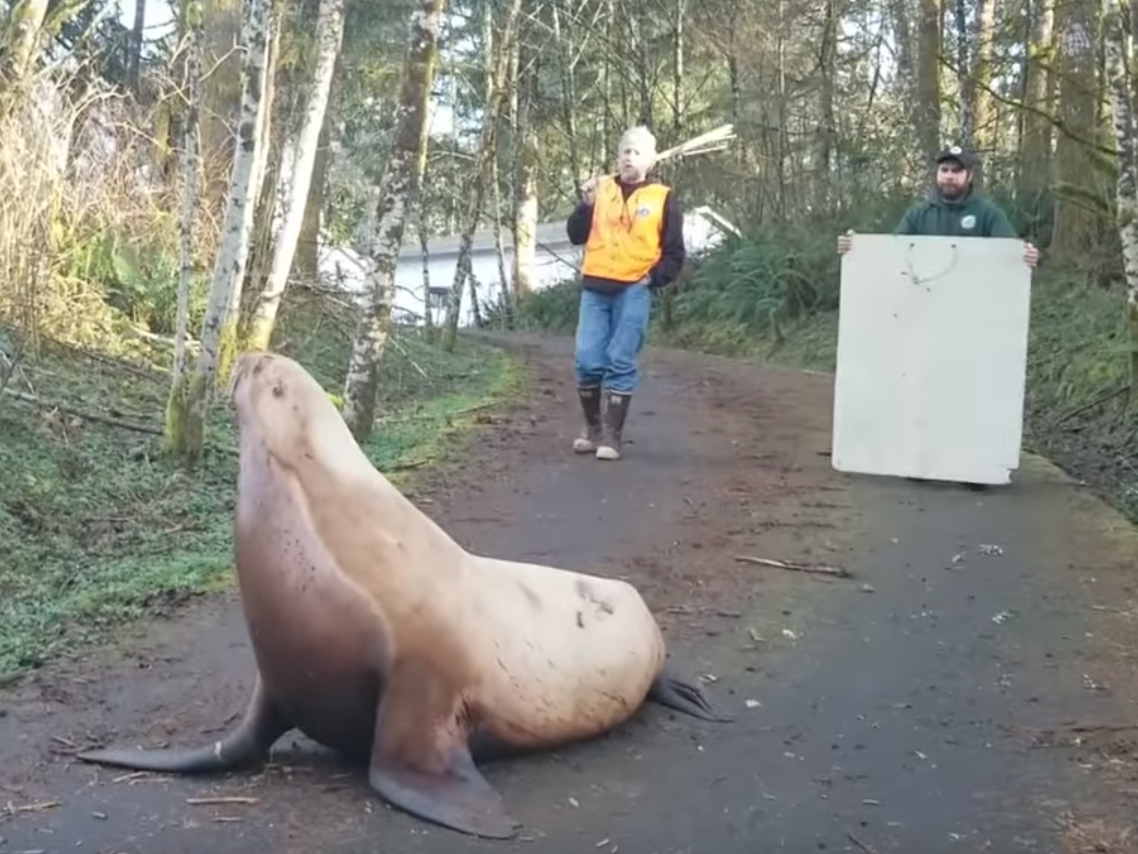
(611, 329)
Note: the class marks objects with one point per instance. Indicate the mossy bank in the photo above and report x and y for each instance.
(98, 525)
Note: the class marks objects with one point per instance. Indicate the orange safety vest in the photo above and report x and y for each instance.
(624, 240)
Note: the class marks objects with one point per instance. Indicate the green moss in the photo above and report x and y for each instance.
(226, 353)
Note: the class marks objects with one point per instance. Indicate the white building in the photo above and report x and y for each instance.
(555, 260)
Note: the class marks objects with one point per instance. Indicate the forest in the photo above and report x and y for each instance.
(173, 172)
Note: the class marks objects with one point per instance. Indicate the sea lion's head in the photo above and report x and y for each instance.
(290, 412)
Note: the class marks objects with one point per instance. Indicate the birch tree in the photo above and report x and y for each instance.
(188, 413)
(25, 23)
(398, 191)
(329, 37)
(192, 22)
(524, 219)
(1121, 100)
(487, 151)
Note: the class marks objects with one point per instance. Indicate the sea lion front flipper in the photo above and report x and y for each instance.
(421, 760)
(248, 743)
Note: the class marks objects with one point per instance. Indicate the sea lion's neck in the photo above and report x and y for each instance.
(378, 537)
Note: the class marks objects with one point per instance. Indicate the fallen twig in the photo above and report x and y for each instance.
(229, 799)
(1087, 728)
(398, 346)
(80, 413)
(868, 849)
(795, 567)
(70, 747)
(12, 809)
(1098, 401)
(136, 776)
(411, 464)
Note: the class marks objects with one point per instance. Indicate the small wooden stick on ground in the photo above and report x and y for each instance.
(795, 567)
(12, 809)
(232, 799)
(868, 849)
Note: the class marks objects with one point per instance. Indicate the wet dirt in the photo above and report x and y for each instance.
(968, 689)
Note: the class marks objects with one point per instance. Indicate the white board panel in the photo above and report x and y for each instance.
(932, 358)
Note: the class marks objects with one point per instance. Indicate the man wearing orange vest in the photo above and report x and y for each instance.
(632, 230)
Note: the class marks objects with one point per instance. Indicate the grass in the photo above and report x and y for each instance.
(97, 527)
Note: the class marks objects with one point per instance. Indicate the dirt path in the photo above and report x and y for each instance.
(930, 704)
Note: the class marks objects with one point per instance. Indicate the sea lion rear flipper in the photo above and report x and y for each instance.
(249, 742)
(672, 690)
(421, 760)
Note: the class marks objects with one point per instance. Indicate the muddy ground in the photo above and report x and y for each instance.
(968, 689)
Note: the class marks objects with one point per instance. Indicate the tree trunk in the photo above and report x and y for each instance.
(221, 96)
(229, 268)
(398, 190)
(928, 79)
(1039, 98)
(266, 180)
(678, 70)
(982, 131)
(1121, 99)
(1076, 217)
(901, 15)
(487, 149)
(568, 99)
(25, 23)
(963, 78)
(425, 254)
(329, 36)
(307, 264)
(525, 179)
(495, 177)
(176, 405)
(134, 58)
(827, 121)
(645, 76)
(782, 144)
(230, 344)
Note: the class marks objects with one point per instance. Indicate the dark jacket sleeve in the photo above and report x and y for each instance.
(579, 224)
(998, 223)
(673, 253)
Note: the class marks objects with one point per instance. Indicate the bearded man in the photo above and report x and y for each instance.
(955, 208)
(633, 233)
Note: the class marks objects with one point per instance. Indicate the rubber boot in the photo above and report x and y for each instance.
(590, 398)
(615, 413)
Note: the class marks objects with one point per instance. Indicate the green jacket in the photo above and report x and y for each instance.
(970, 216)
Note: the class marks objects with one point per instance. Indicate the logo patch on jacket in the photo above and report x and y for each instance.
(968, 222)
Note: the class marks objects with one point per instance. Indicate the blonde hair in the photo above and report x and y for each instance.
(641, 137)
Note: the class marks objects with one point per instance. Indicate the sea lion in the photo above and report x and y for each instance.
(377, 635)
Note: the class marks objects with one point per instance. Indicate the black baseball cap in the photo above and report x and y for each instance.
(954, 152)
